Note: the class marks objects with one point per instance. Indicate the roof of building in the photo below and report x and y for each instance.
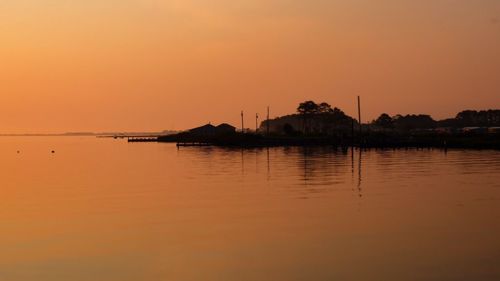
(225, 125)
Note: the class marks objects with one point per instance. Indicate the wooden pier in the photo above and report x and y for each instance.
(142, 139)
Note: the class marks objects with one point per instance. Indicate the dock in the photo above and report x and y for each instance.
(142, 139)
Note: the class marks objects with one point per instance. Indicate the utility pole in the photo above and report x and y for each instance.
(267, 123)
(256, 122)
(242, 124)
(359, 115)
(352, 132)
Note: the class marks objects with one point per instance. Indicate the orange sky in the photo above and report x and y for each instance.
(100, 65)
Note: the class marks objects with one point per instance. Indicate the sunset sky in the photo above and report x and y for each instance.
(148, 65)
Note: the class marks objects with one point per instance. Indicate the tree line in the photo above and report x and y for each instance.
(322, 119)
(466, 118)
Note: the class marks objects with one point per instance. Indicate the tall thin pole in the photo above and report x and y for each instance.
(352, 132)
(359, 114)
(267, 123)
(256, 121)
(242, 124)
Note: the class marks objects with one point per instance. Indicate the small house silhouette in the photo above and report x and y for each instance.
(211, 130)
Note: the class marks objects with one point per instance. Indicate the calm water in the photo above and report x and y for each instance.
(102, 209)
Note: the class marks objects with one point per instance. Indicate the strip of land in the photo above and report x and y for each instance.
(320, 124)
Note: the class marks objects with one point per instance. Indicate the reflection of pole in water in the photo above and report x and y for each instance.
(305, 165)
(268, 165)
(359, 171)
(257, 161)
(242, 162)
(352, 167)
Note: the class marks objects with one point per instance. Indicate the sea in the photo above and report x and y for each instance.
(101, 209)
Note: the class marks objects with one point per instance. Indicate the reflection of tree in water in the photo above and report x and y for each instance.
(309, 170)
(322, 167)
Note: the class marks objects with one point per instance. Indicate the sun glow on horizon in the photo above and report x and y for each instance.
(154, 65)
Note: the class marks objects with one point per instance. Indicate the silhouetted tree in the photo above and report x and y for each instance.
(308, 107)
(324, 108)
(412, 122)
(317, 118)
(449, 122)
(289, 130)
(384, 121)
(472, 118)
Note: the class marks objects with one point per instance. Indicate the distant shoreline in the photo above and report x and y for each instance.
(90, 134)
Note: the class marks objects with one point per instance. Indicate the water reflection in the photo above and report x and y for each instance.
(151, 212)
(268, 165)
(359, 171)
(314, 170)
(308, 170)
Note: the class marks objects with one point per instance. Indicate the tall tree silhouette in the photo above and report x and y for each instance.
(306, 109)
(385, 121)
(324, 108)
